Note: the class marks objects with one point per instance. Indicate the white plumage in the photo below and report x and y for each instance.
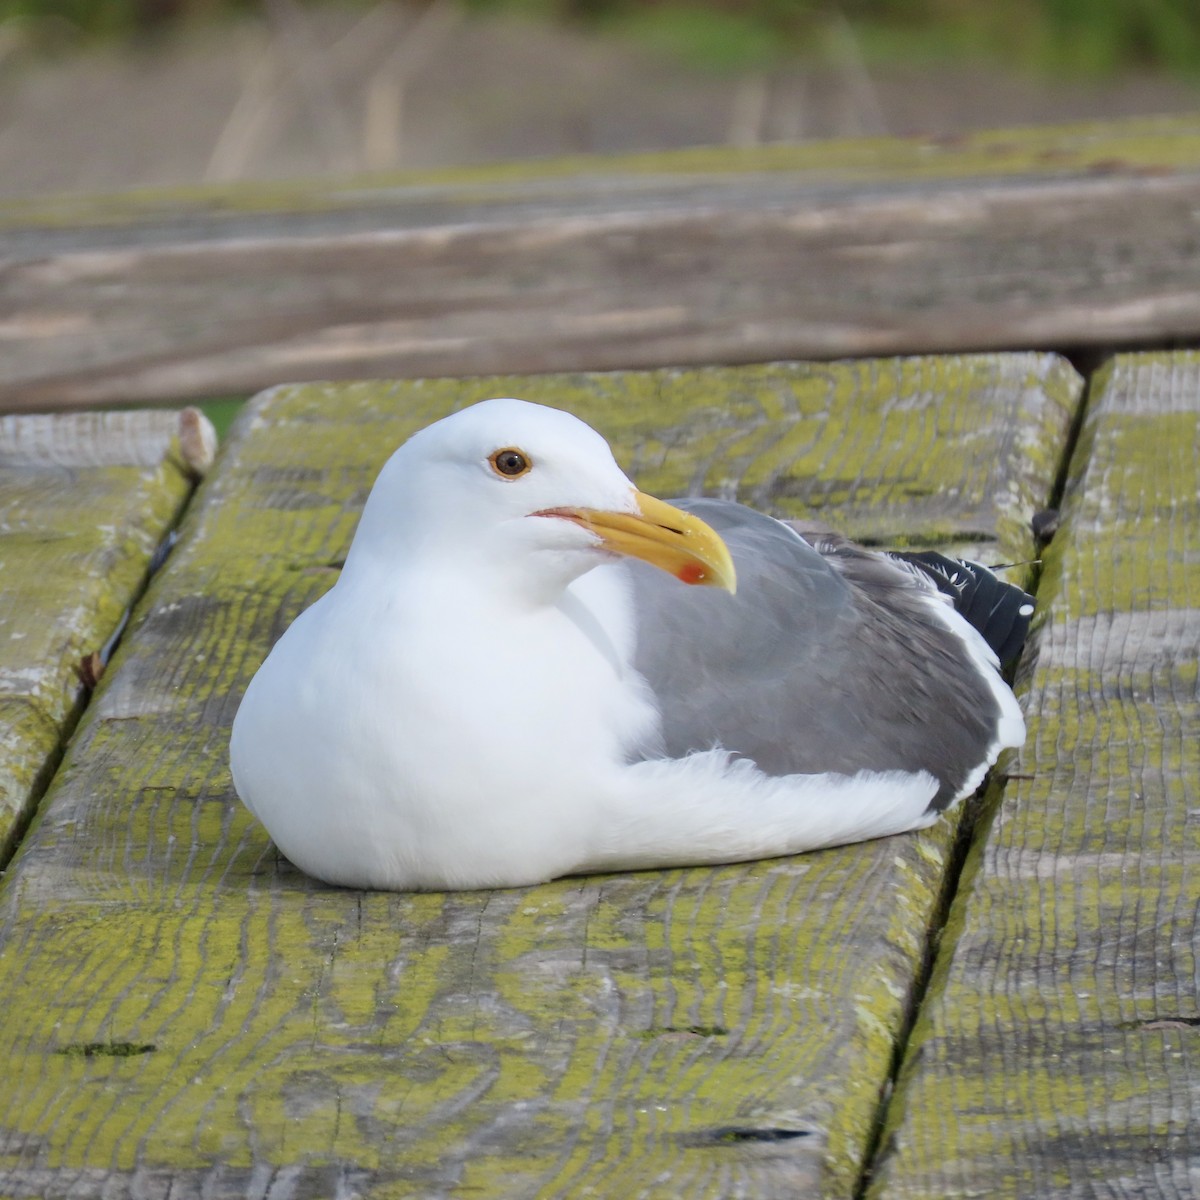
(465, 708)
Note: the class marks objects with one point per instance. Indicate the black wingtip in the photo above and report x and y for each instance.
(1000, 611)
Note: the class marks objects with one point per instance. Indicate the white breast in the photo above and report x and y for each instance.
(388, 739)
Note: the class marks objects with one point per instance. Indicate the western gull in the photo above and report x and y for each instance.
(509, 682)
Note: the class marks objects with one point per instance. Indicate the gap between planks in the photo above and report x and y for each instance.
(977, 822)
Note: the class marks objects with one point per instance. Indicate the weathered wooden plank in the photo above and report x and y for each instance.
(1071, 238)
(187, 1015)
(418, 199)
(1058, 1056)
(84, 500)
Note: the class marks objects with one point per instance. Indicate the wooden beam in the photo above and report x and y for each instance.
(187, 1015)
(1078, 239)
(1057, 1054)
(84, 500)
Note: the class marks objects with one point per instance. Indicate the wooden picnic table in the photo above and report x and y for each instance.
(1003, 1005)
(1049, 238)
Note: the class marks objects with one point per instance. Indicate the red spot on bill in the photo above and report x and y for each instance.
(692, 573)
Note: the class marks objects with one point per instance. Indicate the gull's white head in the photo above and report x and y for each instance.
(518, 489)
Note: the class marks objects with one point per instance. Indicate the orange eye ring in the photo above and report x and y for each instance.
(510, 463)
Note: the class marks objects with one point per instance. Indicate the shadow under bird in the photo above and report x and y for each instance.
(512, 681)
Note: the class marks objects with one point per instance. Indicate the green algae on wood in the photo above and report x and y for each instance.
(1056, 1056)
(84, 501)
(704, 1032)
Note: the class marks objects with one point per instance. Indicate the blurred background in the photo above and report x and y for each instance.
(108, 95)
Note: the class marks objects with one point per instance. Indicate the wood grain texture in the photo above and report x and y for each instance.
(1069, 238)
(187, 1015)
(1060, 1051)
(84, 500)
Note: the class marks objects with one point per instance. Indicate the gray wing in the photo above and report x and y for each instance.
(823, 661)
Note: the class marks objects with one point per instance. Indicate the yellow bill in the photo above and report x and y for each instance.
(663, 535)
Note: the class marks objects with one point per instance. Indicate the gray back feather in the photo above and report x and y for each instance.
(827, 659)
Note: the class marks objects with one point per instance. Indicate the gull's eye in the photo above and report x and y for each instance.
(510, 463)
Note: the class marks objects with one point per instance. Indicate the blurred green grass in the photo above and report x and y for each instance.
(1092, 38)
(222, 412)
